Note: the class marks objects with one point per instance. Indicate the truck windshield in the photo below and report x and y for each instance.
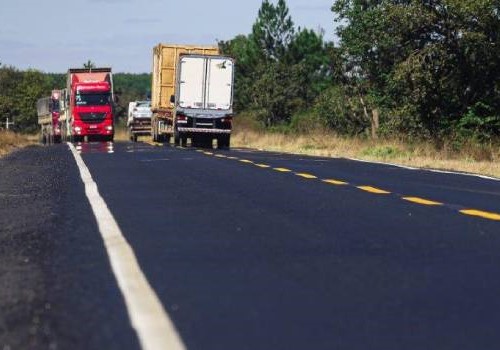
(92, 99)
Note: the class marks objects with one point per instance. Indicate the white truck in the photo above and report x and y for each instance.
(204, 100)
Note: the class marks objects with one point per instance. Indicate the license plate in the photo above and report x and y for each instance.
(93, 127)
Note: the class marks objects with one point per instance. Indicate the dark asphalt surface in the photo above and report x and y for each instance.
(244, 257)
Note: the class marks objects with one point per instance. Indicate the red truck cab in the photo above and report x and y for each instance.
(91, 104)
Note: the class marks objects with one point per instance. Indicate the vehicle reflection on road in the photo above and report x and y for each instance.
(94, 147)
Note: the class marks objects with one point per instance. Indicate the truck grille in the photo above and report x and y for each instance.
(92, 117)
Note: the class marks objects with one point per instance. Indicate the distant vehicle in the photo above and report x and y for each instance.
(139, 119)
(131, 106)
(48, 111)
(191, 96)
(90, 104)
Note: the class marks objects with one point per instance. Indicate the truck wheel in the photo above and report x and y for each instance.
(223, 141)
(195, 141)
(134, 138)
(57, 139)
(177, 139)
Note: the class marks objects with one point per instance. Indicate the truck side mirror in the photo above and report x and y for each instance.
(172, 99)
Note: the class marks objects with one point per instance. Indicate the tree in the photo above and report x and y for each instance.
(273, 30)
(89, 65)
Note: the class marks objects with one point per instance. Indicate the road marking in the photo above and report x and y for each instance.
(200, 150)
(147, 316)
(425, 169)
(421, 201)
(373, 190)
(282, 170)
(482, 214)
(306, 176)
(208, 153)
(335, 182)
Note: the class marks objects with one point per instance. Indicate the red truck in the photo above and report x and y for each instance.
(90, 114)
(48, 110)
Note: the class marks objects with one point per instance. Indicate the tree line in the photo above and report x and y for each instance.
(424, 69)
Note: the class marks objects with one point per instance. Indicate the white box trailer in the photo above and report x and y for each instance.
(204, 100)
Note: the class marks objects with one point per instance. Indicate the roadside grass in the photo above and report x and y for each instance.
(470, 158)
(11, 140)
(121, 133)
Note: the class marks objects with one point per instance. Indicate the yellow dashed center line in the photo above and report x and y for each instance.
(421, 201)
(335, 182)
(373, 190)
(370, 189)
(306, 176)
(283, 170)
(481, 214)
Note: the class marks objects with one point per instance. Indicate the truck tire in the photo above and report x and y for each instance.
(177, 138)
(196, 141)
(223, 141)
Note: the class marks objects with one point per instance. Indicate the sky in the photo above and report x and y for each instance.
(54, 35)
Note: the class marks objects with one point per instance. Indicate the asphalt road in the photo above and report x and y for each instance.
(249, 250)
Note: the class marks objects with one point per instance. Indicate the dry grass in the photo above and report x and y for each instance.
(121, 133)
(471, 159)
(10, 141)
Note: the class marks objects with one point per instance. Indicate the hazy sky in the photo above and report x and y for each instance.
(53, 35)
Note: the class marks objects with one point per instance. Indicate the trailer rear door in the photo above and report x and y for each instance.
(192, 82)
(219, 83)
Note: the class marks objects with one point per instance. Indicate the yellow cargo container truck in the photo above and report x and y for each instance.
(191, 95)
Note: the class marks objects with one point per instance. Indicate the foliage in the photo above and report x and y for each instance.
(89, 65)
(19, 92)
(431, 60)
(341, 112)
(280, 69)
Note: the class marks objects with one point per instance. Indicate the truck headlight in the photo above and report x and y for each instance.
(109, 127)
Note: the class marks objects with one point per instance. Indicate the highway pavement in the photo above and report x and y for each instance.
(246, 249)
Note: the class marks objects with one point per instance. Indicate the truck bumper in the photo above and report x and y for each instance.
(204, 131)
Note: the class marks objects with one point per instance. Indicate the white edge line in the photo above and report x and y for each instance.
(424, 169)
(147, 316)
(396, 165)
